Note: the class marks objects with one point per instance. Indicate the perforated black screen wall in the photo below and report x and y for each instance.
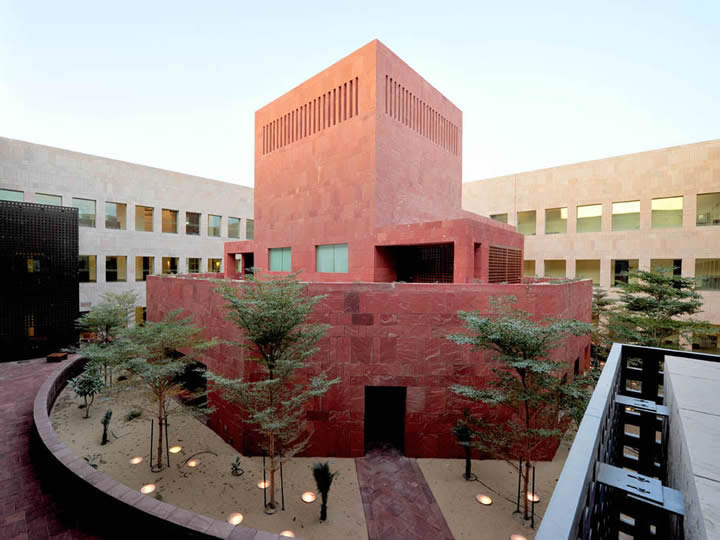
(39, 292)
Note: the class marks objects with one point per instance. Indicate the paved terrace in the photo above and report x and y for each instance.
(28, 509)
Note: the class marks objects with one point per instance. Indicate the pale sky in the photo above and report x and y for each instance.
(176, 84)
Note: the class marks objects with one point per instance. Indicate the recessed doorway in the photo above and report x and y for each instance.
(385, 417)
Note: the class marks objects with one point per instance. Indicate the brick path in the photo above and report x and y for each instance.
(28, 510)
(397, 501)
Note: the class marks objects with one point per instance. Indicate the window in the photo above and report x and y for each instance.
(621, 267)
(669, 267)
(169, 221)
(140, 315)
(214, 265)
(169, 265)
(502, 218)
(588, 269)
(707, 274)
(249, 229)
(708, 209)
(52, 200)
(332, 258)
(11, 195)
(192, 223)
(115, 216)
(529, 268)
(280, 259)
(144, 218)
(214, 225)
(707, 343)
(144, 267)
(193, 265)
(526, 222)
(86, 212)
(233, 227)
(555, 220)
(625, 216)
(115, 268)
(87, 269)
(589, 218)
(667, 212)
(32, 265)
(555, 268)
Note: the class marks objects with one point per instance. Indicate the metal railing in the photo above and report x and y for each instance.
(613, 481)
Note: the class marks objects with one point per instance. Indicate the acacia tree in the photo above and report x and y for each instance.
(87, 384)
(655, 308)
(527, 382)
(273, 315)
(104, 322)
(154, 357)
(602, 306)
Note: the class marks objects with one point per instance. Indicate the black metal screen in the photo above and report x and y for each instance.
(39, 294)
(432, 263)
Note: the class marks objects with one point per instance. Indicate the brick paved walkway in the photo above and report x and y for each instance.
(28, 510)
(397, 501)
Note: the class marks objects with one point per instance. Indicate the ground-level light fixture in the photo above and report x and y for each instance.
(147, 489)
(193, 463)
(533, 497)
(517, 537)
(235, 518)
(136, 460)
(308, 497)
(289, 534)
(175, 449)
(483, 499)
(262, 484)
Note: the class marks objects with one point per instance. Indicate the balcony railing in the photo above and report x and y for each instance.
(613, 484)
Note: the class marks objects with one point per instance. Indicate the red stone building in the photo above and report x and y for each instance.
(358, 185)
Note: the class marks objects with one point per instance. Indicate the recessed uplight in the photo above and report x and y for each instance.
(289, 534)
(533, 497)
(235, 518)
(308, 497)
(147, 488)
(517, 537)
(262, 484)
(483, 499)
(136, 460)
(193, 463)
(175, 449)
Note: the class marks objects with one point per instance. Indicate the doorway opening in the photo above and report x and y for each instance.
(385, 417)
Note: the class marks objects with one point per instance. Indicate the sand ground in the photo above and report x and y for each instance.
(467, 518)
(210, 488)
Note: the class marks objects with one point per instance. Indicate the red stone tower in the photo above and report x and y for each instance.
(366, 155)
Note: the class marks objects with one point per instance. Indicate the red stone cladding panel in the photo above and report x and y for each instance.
(418, 179)
(320, 189)
(381, 334)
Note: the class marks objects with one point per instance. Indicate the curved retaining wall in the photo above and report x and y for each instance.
(118, 510)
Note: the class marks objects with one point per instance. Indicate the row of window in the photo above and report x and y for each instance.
(666, 212)
(707, 271)
(332, 258)
(116, 216)
(116, 267)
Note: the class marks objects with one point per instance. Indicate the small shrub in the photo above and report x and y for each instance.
(323, 480)
(235, 468)
(86, 385)
(93, 460)
(132, 415)
(105, 422)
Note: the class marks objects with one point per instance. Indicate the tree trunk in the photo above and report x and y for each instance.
(104, 437)
(160, 435)
(86, 408)
(526, 480)
(323, 508)
(271, 487)
(467, 463)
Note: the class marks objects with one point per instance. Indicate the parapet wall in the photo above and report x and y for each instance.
(382, 334)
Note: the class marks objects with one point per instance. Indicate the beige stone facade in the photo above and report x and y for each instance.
(681, 175)
(42, 174)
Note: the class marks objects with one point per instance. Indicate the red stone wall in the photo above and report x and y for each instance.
(381, 334)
